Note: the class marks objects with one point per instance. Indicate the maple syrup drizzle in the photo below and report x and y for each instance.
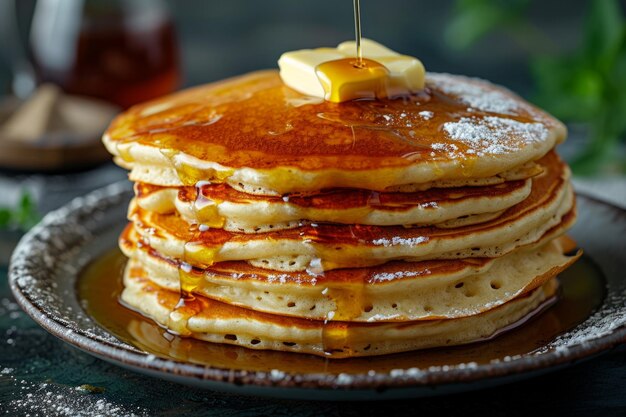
(124, 152)
(350, 301)
(188, 305)
(194, 249)
(357, 32)
(100, 284)
(190, 175)
(367, 79)
(206, 210)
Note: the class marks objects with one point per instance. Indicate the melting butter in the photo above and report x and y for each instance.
(306, 72)
(347, 79)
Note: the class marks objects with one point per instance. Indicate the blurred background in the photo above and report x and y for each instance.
(66, 66)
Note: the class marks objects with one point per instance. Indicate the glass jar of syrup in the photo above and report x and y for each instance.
(122, 51)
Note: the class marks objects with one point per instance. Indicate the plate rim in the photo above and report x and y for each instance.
(172, 368)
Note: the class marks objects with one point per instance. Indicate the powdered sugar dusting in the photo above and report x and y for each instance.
(399, 241)
(390, 276)
(611, 316)
(477, 93)
(426, 115)
(450, 149)
(491, 135)
(60, 400)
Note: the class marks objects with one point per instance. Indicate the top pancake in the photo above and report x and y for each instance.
(255, 133)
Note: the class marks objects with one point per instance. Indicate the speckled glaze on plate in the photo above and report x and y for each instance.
(46, 264)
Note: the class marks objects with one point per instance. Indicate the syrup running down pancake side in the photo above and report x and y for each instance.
(339, 246)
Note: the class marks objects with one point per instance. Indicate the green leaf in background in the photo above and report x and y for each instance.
(474, 19)
(604, 34)
(27, 216)
(587, 85)
(566, 88)
(5, 217)
(22, 217)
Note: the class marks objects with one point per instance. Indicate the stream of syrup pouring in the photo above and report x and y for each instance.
(353, 78)
(349, 300)
(356, 4)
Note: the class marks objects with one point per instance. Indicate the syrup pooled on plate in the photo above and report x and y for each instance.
(100, 286)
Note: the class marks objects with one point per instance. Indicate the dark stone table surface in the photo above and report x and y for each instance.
(42, 376)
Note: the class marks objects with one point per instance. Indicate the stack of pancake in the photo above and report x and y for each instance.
(271, 220)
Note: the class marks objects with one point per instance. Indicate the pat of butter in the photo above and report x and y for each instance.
(298, 69)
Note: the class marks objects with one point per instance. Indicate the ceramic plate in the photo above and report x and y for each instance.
(48, 260)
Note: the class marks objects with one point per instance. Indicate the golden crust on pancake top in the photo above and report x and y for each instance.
(255, 132)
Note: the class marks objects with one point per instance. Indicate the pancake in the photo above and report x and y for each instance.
(395, 291)
(218, 322)
(255, 133)
(220, 206)
(522, 172)
(330, 246)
